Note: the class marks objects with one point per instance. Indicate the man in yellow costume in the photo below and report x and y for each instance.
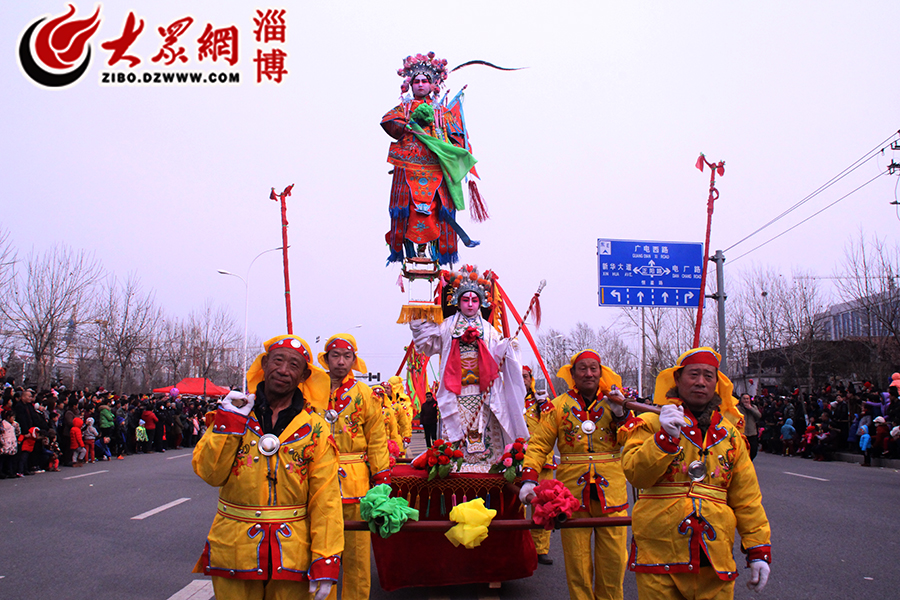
(387, 414)
(355, 421)
(583, 424)
(278, 524)
(697, 484)
(402, 409)
(533, 406)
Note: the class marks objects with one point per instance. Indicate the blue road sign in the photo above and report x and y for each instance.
(640, 273)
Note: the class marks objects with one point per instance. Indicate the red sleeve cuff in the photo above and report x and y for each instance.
(529, 474)
(325, 568)
(763, 553)
(666, 442)
(229, 423)
(382, 477)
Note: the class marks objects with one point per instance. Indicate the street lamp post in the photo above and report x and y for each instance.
(246, 281)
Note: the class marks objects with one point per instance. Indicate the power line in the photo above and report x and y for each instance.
(853, 166)
(809, 217)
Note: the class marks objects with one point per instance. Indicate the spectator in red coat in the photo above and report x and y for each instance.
(150, 421)
(76, 443)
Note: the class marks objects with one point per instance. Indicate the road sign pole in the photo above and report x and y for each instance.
(643, 353)
(720, 297)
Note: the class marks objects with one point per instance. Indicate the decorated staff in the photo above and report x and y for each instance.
(278, 528)
(697, 484)
(481, 403)
(355, 421)
(583, 424)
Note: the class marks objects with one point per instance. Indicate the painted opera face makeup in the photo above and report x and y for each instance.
(469, 303)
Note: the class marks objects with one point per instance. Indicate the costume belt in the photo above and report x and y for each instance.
(574, 458)
(262, 514)
(686, 489)
(347, 458)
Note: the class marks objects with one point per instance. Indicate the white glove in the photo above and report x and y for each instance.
(238, 403)
(759, 575)
(319, 590)
(526, 492)
(671, 419)
(616, 402)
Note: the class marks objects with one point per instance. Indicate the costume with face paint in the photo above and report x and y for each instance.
(481, 392)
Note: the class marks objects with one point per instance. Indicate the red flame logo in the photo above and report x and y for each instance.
(60, 52)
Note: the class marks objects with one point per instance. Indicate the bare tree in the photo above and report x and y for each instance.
(128, 317)
(213, 335)
(176, 345)
(53, 288)
(869, 279)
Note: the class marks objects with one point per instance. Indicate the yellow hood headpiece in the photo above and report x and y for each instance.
(343, 340)
(608, 377)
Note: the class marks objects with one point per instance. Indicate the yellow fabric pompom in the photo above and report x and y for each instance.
(473, 521)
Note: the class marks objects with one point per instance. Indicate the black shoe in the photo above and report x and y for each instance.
(544, 559)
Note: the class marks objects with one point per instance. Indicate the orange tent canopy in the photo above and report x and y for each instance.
(193, 386)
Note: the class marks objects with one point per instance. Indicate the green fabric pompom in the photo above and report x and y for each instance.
(424, 114)
(384, 514)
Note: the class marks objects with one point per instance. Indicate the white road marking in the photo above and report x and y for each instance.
(805, 476)
(159, 509)
(179, 456)
(87, 474)
(199, 589)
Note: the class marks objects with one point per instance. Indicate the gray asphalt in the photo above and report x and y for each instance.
(75, 538)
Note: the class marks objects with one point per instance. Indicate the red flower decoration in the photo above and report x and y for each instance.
(553, 498)
(470, 336)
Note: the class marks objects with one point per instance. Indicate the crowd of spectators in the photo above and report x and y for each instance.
(53, 428)
(857, 418)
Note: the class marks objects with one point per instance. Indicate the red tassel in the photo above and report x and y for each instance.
(537, 312)
(476, 204)
(700, 162)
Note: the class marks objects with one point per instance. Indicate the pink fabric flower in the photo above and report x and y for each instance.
(552, 498)
(507, 462)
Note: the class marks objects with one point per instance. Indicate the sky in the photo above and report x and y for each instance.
(596, 138)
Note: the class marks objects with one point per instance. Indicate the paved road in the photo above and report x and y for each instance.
(836, 533)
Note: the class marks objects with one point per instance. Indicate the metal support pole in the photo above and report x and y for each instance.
(720, 297)
(643, 352)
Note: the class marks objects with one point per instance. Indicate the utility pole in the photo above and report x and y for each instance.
(720, 297)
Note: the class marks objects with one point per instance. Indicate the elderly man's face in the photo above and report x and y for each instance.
(27, 397)
(696, 385)
(283, 370)
(528, 379)
(586, 374)
(469, 304)
(340, 361)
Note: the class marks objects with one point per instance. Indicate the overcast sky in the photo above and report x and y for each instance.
(596, 138)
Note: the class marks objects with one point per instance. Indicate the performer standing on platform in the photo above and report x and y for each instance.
(697, 484)
(421, 208)
(481, 403)
(279, 521)
(533, 406)
(583, 422)
(355, 421)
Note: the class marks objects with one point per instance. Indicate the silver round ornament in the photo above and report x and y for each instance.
(331, 416)
(269, 444)
(588, 427)
(697, 470)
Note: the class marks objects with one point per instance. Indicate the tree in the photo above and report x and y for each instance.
(869, 280)
(214, 337)
(49, 293)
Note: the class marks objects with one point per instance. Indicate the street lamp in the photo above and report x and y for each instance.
(246, 281)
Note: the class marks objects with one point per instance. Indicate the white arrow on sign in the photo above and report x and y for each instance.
(640, 296)
(665, 296)
(617, 295)
(688, 296)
